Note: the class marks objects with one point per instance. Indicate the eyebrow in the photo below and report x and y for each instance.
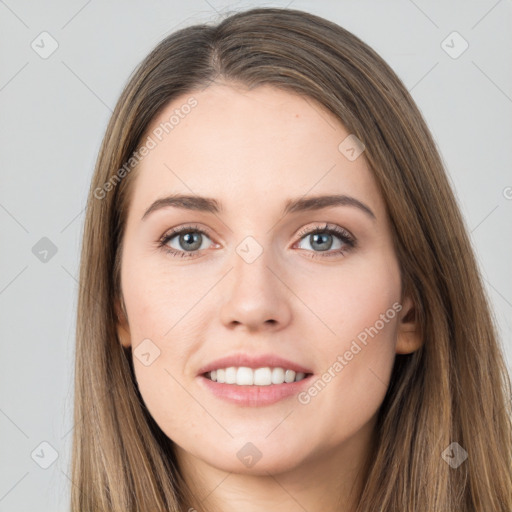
(210, 205)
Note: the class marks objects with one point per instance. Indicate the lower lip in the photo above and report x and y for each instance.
(254, 396)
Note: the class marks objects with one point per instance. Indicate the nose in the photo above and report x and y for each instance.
(255, 294)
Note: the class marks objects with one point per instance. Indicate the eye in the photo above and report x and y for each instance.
(189, 240)
(320, 239)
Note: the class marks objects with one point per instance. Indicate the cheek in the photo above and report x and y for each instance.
(165, 396)
(359, 309)
(155, 297)
(353, 300)
(164, 332)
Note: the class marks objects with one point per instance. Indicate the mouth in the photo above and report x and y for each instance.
(264, 376)
(248, 387)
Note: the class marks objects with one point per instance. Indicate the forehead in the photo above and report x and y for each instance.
(244, 145)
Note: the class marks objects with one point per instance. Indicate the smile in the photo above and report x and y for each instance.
(244, 376)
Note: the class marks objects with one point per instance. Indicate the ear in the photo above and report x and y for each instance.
(409, 338)
(123, 330)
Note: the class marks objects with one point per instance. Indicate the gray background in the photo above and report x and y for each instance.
(54, 112)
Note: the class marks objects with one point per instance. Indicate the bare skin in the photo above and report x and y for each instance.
(252, 150)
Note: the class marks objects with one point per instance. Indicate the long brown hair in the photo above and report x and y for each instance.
(456, 388)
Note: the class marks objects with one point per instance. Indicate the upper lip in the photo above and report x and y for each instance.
(254, 361)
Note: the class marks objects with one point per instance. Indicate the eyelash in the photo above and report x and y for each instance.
(342, 234)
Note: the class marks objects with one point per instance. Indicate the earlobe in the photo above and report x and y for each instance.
(409, 338)
(123, 331)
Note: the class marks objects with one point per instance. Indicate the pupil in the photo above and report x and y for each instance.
(188, 238)
(321, 237)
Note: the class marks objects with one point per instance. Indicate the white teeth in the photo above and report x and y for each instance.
(277, 376)
(244, 376)
(299, 376)
(231, 375)
(289, 376)
(262, 377)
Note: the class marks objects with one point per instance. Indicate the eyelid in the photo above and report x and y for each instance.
(185, 228)
(323, 226)
(327, 227)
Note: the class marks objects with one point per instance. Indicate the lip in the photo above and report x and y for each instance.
(253, 396)
(253, 362)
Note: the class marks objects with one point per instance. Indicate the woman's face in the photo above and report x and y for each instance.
(247, 280)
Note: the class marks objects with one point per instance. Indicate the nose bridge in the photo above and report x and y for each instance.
(254, 296)
(251, 262)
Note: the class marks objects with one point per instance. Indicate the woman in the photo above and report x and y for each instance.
(279, 306)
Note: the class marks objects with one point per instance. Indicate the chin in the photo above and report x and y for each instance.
(269, 463)
(257, 457)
